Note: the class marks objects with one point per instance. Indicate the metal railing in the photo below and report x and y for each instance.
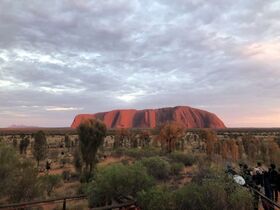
(64, 201)
(42, 202)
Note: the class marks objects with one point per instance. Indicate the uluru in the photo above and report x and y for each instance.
(150, 118)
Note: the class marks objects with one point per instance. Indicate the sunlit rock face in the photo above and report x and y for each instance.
(150, 118)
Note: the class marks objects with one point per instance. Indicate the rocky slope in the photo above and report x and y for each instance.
(150, 118)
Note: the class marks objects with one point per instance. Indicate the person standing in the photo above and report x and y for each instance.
(274, 180)
(267, 191)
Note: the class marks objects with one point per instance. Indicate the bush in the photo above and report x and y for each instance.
(154, 199)
(77, 161)
(142, 153)
(134, 152)
(240, 199)
(18, 177)
(201, 197)
(66, 175)
(116, 181)
(51, 182)
(213, 193)
(186, 159)
(125, 161)
(157, 167)
(8, 167)
(85, 177)
(176, 168)
(82, 189)
(25, 185)
(206, 172)
(118, 152)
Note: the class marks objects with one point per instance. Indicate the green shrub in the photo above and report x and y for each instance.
(213, 193)
(125, 161)
(176, 168)
(118, 152)
(18, 177)
(9, 162)
(25, 185)
(156, 198)
(240, 199)
(186, 159)
(82, 189)
(157, 167)
(201, 197)
(116, 181)
(77, 161)
(85, 177)
(66, 175)
(50, 182)
(138, 153)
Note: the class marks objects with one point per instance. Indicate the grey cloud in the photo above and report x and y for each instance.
(101, 55)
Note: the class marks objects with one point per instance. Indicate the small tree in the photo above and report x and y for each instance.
(67, 142)
(23, 144)
(8, 166)
(78, 160)
(169, 134)
(15, 143)
(51, 182)
(18, 178)
(91, 133)
(25, 185)
(157, 167)
(210, 138)
(40, 146)
(121, 138)
(145, 138)
(26, 143)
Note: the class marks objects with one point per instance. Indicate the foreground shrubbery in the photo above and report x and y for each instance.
(218, 192)
(211, 189)
(137, 153)
(155, 198)
(157, 167)
(117, 181)
(213, 194)
(19, 180)
(51, 182)
(176, 168)
(187, 159)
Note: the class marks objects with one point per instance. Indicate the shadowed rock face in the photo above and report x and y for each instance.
(150, 118)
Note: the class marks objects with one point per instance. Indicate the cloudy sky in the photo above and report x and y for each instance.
(60, 58)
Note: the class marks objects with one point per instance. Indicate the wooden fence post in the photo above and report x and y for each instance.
(64, 204)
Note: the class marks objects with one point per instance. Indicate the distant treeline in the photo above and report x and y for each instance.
(72, 131)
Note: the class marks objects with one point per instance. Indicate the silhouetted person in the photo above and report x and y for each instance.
(258, 175)
(257, 183)
(278, 181)
(48, 165)
(267, 191)
(240, 167)
(273, 178)
(246, 174)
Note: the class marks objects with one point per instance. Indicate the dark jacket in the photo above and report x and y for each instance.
(273, 177)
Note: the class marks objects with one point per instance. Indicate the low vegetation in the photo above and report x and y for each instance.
(165, 170)
(116, 182)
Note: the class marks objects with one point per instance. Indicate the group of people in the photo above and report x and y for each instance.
(264, 180)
